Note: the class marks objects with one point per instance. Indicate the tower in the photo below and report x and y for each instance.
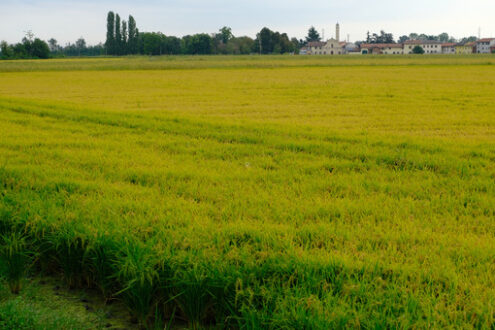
(337, 32)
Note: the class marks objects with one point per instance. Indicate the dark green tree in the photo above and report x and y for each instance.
(118, 36)
(296, 45)
(132, 39)
(240, 45)
(124, 44)
(265, 41)
(313, 35)
(7, 52)
(110, 42)
(226, 34)
(443, 37)
(53, 44)
(80, 45)
(198, 44)
(151, 43)
(39, 49)
(170, 45)
(468, 39)
(382, 38)
(418, 50)
(413, 36)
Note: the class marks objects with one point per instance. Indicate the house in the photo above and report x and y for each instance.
(492, 49)
(448, 48)
(483, 45)
(330, 47)
(387, 49)
(467, 48)
(351, 48)
(429, 46)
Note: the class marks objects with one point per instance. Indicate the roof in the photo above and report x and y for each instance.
(421, 42)
(381, 45)
(315, 44)
(449, 44)
(486, 40)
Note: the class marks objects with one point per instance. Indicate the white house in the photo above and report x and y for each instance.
(448, 48)
(429, 46)
(483, 45)
(387, 49)
(330, 47)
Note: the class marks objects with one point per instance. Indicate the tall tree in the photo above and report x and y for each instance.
(6, 50)
(53, 44)
(226, 34)
(118, 36)
(313, 35)
(132, 39)
(80, 45)
(110, 43)
(443, 37)
(413, 36)
(382, 38)
(124, 49)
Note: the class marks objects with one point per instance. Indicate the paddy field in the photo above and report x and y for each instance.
(256, 192)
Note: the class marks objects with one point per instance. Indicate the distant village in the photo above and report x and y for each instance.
(335, 46)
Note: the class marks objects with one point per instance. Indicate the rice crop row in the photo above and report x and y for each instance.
(302, 197)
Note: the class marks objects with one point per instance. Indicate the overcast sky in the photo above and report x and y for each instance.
(68, 20)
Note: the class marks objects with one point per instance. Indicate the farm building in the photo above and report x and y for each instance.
(483, 45)
(429, 46)
(387, 49)
(448, 48)
(467, 48)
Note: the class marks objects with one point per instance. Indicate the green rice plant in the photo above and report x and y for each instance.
(192, 288)
(136, 271)
(292, 198)
(16, 257)
(99, 266)
(70, 248)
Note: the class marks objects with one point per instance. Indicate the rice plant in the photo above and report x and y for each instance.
(319, 193)
(70, 250)
(16, 258)
(136, 271)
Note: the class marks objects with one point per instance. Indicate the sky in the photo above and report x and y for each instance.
(68, 20)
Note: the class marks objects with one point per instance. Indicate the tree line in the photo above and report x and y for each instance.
(123, 39)
(29, 47)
